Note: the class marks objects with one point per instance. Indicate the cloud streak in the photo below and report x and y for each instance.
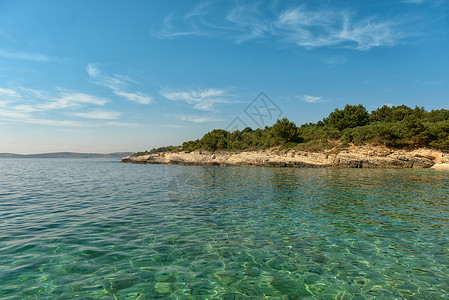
(300, 26)
(26, 118)
(312, 29)
(414, 1)
(199, 119)
(24, 55)
(101, 115)
(204, 100)
(169, 30)
(44, 101)
(136, 97)
(30, 106)
(248, 22)
(8, 93)
(116, 83)
(311, 99)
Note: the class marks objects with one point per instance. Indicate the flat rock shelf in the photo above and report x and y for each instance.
(353, 157)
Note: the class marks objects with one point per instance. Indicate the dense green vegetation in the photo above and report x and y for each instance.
(156, 150)
(396, 126)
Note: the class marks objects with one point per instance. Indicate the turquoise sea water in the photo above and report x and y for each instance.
(97, 229)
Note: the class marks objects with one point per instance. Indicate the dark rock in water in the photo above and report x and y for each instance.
(202, 289)
(290, 287)
(276, 263)
(229, 277)
(163, 288)
(165, 275)
(320, 259)
(116, 284)
(311, 279)
(316, 270)
(252, 272)
(146, 275)
(231, 296)
(200, 265)
(91, 253)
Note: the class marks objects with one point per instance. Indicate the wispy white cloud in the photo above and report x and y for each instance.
(324, 28)
(414, 1)
(73, 99)
(8, 93)
(26, 118)
(170, 125)
(199, 119)
(45, 101)
(13, 114)
(311, 99)
(23, 55)
(113, 82)
(102, 115)
(200, 99)
(136, 97)
(247, 20)
(299, 25)
(31, 106)
(92, 70)
(124, 124)
(116, 83)
(169, 30)
(50, 122)
(7, 96)
(200, 9)
(4, 103)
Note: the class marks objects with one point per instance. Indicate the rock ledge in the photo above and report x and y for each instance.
(353, 157)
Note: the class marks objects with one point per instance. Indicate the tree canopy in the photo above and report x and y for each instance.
(395, 126)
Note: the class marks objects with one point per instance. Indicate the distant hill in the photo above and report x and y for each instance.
(117, 155)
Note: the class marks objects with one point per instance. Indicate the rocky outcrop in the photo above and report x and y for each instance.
(354, 157)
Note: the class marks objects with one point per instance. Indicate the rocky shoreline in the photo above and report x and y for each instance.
(352, 157)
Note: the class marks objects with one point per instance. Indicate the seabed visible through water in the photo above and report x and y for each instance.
(96, 229)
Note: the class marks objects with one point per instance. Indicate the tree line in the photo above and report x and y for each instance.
(393, 126)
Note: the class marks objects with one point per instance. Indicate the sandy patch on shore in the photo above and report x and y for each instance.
(441, 166)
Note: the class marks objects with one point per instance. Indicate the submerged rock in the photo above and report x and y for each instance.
(116, 284)
(290, 287)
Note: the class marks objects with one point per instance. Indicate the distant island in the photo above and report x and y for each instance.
(115, 155)
(390, 136)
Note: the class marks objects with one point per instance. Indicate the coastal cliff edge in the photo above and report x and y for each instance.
(352, 157)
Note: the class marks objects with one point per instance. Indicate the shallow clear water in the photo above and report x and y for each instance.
(97, 229)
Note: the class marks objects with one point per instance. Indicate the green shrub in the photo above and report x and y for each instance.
(392, 126)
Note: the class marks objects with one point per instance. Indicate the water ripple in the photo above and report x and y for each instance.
(97, 229)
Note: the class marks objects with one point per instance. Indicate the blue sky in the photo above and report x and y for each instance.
(105, 76)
